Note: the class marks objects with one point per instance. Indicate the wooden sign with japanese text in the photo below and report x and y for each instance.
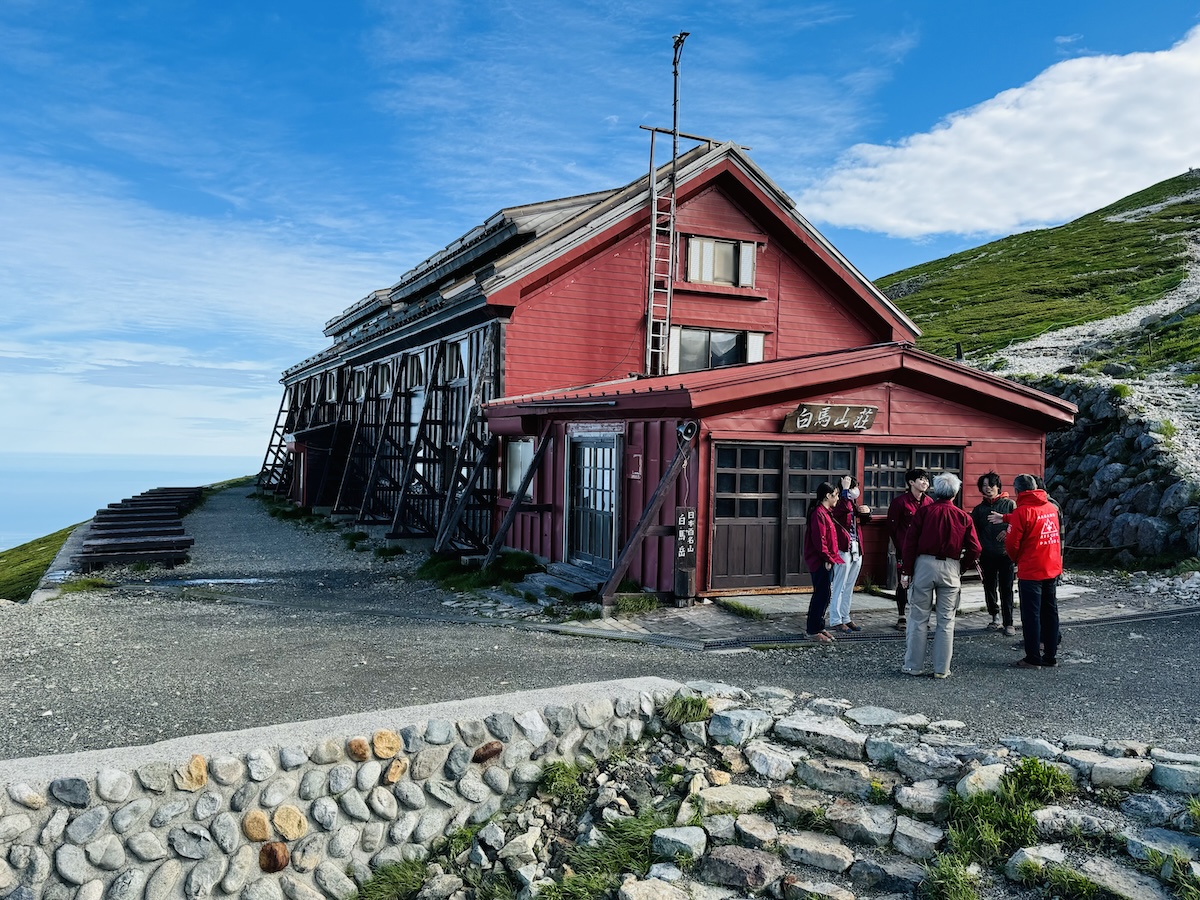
(810, 417)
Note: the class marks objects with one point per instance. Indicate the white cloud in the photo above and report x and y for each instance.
(125, 329)
(1082, 134)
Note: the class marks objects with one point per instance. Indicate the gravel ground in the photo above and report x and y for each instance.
(147, 661)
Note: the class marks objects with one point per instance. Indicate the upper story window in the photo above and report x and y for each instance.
(711, 261)
(697, 349)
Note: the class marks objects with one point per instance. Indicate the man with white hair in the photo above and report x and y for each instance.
(941, 541)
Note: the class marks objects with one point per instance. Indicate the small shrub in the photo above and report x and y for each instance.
(582, 613)
(878, 794)
(389, 552)
(1068, 884)
(629, 586)
(988, 827)
(633, 604)
(1193, 810)
(680, 709)
(669, 774)
(561, 781)
(949, 879)
(1167, 429)
(1029, 873)
(1122, 391)
(1111, 797)
(744, 610)
(1036, 782)
(814, 820)
(398, 881)
(79, 585)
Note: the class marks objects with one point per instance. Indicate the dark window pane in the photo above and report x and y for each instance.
(726, 458)
(726, 483)
(749, 458)
(797, 484)
(772, 457)
(819, 459)
(797, 509)
(747, 509)
(770, 508)
(770, 484)
(725, 508)
(797, 459)
(841, 460)
(748, 484)
(724, 348)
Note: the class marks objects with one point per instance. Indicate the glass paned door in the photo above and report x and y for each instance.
(592, 495)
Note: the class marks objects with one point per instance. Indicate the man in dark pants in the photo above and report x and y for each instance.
(899, 521)
(1034, 544)
(994, 564)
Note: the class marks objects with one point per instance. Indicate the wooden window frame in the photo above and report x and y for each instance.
(879, 496)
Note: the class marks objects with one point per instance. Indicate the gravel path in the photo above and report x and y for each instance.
(147, 661)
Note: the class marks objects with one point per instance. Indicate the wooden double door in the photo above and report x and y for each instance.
(761, 493)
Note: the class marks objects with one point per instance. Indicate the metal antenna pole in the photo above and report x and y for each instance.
(679, 39)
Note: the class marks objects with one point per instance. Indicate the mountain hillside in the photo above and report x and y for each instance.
(1122, 258)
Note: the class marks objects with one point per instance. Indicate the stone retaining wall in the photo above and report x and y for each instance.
(1120, 485)
(291, 810)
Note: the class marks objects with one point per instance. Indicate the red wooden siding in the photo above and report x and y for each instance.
(589, 325)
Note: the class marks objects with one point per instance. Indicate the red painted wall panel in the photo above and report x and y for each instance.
(589, 325)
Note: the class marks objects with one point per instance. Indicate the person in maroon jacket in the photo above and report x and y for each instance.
(1035, 544)
(940, 543)
(899, 521)
(821, 554)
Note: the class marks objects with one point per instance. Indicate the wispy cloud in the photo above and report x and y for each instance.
(1083, 133)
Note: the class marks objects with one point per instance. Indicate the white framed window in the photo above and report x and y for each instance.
(455, 361)
(697, 349)
(331, 384)
(414, 370)
(360, 384)
(518, 454)
(713, 261)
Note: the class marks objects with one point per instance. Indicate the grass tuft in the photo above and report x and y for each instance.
(744, 610)
(680, 709)
(398, 881)
(563, 782)
(89, 583)
(1039, 783)
(634, 604)
(949, 879)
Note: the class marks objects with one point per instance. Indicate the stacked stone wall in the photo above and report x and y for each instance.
(300, 820)
(1120, 484)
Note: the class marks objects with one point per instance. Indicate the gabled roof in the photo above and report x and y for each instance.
(521, 247)
(628, 209)
(713, 391)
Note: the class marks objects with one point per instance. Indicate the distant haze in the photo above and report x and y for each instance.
(42, 493)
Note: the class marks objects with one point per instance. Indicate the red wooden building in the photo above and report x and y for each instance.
(698, 295)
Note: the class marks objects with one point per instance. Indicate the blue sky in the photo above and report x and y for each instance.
(188, 191)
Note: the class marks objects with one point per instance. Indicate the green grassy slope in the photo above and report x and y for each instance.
(21, 568)
(1023, 285)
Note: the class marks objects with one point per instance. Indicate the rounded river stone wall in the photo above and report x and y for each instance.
(290, 820)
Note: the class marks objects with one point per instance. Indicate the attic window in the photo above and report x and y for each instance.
(712, 261)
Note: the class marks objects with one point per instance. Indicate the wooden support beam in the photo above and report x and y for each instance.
(644, 523)
(526, 479)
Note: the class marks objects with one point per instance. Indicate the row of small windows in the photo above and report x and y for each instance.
(324, 388)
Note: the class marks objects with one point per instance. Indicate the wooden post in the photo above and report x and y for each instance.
(648, 515)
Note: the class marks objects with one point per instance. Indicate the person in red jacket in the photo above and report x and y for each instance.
(899, 521)
(1034, 543)
(821, 554)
